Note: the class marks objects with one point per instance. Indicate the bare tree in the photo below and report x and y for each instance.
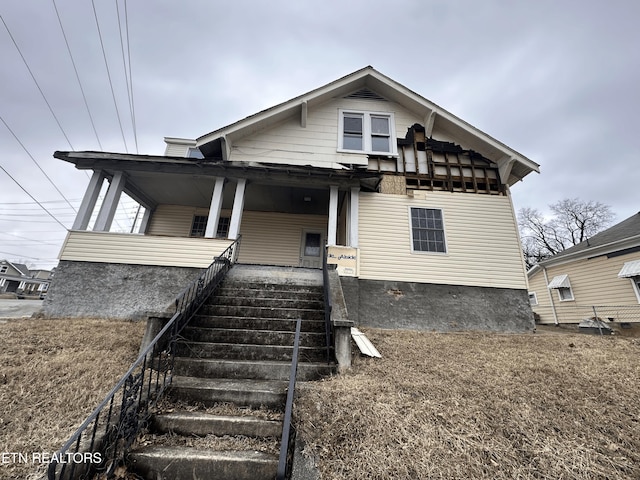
(573, 222)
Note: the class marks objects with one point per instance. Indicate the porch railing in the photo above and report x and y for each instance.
(327, 306)
(100, 443)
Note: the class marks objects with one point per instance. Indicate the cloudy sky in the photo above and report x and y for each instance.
(558, 81)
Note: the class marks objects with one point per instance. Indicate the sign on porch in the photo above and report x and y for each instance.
(345, 259)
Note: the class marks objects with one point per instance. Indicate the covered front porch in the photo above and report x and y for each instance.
(194, 209)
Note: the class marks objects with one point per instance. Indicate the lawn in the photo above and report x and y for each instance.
(53, 374)
(479, 406)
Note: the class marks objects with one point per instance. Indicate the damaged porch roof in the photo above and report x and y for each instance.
(213, 143)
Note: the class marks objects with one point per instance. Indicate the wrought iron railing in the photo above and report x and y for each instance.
(100, 443)
(327, 305)
(288, 409)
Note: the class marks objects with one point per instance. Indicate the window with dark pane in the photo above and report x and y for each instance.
(199, 225)
(223, 227)
(427, 230)
(380, 134)
(353, 127)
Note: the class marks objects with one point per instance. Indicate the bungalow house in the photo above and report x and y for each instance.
(411, 202)
(599, 277)
(17, 278)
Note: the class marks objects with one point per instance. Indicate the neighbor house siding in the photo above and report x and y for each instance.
(593, 281)
(317, 143)
(108, 247)
(481, 237)
(270, 238)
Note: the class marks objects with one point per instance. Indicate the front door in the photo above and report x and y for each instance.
(311, 249)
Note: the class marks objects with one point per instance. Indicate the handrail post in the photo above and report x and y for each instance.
(286, 428)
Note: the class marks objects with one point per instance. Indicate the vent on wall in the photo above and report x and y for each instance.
(365, 94)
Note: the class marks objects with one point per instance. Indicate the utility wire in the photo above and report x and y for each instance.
(133, 108)
(36, 82)
(75, 69)
(37, 164)
(127, 71)
(32, 197)
(113, 94)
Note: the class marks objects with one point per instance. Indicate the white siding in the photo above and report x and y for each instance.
(316, 144)
(110, 247)
(176, 150)
(270, 238)
(481, 236)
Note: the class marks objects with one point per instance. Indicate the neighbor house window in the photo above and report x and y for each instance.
(367, 132)
(565, 294)
(636, 286)
(533, 299)
(199, 226)
(427, 230)
(563, 286)
(3, 269)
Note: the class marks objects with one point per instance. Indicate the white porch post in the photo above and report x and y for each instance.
(89, 201)
(236, 212)
(110, 203)
(332, 230)
(353, 217)
(214, 209)
(145, 220)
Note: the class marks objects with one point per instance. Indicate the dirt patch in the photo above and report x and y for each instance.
(479, 406)
(53, 374)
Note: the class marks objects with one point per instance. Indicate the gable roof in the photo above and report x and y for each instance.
(371, 81)
(618, 238)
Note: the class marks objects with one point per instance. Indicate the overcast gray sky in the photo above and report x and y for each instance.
(557, 81)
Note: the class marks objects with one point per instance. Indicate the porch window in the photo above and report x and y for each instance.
(199, 226)
(366, 132)
(427, 230)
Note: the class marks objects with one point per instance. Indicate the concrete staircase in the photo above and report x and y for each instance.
(235, 358)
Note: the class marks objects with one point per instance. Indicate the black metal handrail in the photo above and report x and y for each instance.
(100, 443)
(327, 305)
(286, 427)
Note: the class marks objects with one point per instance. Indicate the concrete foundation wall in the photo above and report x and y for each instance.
(442, 308)
(107, 290)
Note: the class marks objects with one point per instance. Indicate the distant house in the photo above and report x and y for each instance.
(412, 203)
(17, 278)
(596, 278)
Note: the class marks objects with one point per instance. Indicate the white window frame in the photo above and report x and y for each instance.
(534, 297)
(570, 290)
(444, 230)
(4, 268)
(635, 283)
(367, 134)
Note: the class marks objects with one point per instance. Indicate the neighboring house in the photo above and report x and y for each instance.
(17, 278)
(412, 203)
(596, 278)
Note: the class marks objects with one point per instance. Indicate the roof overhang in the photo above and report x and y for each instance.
(512, 163)
(560, 281)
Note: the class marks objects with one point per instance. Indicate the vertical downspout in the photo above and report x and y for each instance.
(553, 305)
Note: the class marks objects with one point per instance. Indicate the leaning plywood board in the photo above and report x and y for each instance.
(365, 346)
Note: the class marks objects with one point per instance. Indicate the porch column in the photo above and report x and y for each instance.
(145, 220)
(110, 203)
(353, 217)
(214, 209)
(89, 201)
(236, 212)
(332, 231)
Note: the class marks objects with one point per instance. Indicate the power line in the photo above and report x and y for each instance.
(133, 108)
(113, 94)
(36, 82)
(37, 164)
(33, 198)
(127, 76)
(75, 69)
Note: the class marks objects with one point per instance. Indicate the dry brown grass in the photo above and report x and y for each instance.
(473, 406)
(53, 374)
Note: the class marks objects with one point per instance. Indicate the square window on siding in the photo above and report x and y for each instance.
(533, 299)
(565, 294)
(199, 225)
(427, 230)
(367, 132)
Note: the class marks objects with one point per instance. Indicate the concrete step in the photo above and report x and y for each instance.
(255, 337)
(257, 323)
(251, 301)
(233, 351)
(258, 369)
(202, 424)
(247, 291)
(264, 312)
(243, 393)
(184, 463)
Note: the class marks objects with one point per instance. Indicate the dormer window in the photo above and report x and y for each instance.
(366, 132)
